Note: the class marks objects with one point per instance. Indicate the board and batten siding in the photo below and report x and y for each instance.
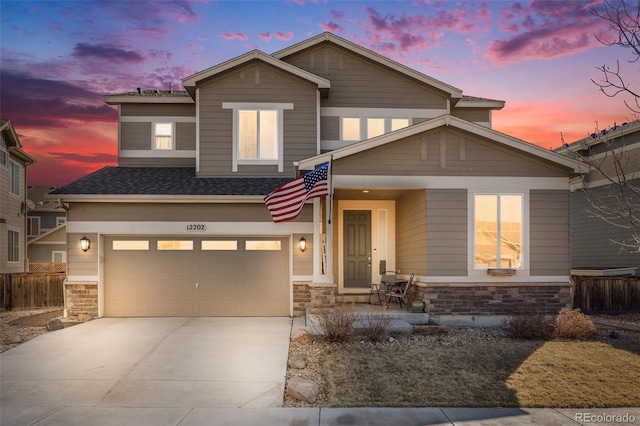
(446, 152)
(175, 212)
(411, 233)
(549, 232)
(447, 221)
(255, 82)
(592, 239)
(360, 82)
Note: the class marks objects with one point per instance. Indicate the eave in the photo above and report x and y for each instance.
(141, 99)
(141, 198)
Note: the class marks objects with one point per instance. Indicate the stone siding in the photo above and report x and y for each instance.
(494, 299)
(81, 301)
(301, 298)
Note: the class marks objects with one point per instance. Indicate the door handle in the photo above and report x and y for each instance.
(197, 285)
(369, 259)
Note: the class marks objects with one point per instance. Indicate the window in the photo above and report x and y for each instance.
(375, 127)
(130, 245)
(14, 178)
(263, 245)
(61, 220)
(219, 245)
(399, 123)
(175, 245)
(13, 245)
(163, 136)
(498, 231)
(353, 129)
(33, 226)
(258, 135)
(3, 158)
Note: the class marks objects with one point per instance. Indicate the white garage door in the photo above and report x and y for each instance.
(180, 276)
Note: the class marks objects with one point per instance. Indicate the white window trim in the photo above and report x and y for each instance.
(524, 269)
(12, 179)
(279, 108)
(62, 254)
(14, 262)
(364, 126)
(173, 136)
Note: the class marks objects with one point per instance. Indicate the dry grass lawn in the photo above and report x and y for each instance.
(495, 373)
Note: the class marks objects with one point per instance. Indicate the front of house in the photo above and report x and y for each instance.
(420, 184)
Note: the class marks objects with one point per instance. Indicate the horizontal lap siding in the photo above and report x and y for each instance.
(135, 136)
(360, 82)
(411, 233)
(591, 236)
(549, 233)
(158, 110)
(472, 114)
(141, 212)
(41, 253)
(463, 154)
(447, 232)
(239, 85)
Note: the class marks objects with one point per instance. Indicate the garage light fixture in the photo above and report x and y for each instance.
(85, 243)
(303, 244)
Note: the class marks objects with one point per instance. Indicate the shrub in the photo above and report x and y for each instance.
(375, 327)
(529, 326)
(573, 325)
(339, 325)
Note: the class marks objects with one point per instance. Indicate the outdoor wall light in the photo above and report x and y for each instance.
(303, 244)
(85, 243)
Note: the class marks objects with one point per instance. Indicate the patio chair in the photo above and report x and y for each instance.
(400, 292)
(382, 287)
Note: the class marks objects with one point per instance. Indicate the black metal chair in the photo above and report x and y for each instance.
(400, 291)
(383, 286)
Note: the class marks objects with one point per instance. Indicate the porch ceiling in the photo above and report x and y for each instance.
(373, 194)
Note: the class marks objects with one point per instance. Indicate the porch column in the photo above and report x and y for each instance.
(318, 219)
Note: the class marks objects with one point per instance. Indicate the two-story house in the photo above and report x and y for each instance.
(46, 231)
(13, 200)
(420, 184)
(599, 222)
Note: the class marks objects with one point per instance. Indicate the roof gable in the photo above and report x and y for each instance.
(447, 121)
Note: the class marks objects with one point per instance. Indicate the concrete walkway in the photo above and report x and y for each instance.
(201, 371)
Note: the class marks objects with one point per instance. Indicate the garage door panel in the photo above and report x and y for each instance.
(232, 281)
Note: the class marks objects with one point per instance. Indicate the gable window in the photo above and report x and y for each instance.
(33, 226)
(498, 231)
(258, 135)
(13, 246)
(14, 178)
(351, 129)
(360, 128)
(163, 136)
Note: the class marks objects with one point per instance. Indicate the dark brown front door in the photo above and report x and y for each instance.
(357, 248)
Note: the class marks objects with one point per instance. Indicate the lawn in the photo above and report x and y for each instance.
(476, 368)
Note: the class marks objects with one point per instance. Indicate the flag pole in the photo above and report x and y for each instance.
(330, 188)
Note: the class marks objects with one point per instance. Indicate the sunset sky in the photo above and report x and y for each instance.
(59, 58)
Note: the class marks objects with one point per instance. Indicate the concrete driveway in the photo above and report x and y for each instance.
(169, 363)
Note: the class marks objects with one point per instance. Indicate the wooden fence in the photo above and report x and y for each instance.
(31, 290)
(606, 294)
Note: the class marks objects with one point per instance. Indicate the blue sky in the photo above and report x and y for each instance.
(59, 58)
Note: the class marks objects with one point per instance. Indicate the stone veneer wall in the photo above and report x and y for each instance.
(81, 300)
(314, 296)
(493, 299)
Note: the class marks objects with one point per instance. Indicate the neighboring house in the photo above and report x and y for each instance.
(595, 248)
(46, 231)
(13, 200)
(421, 184)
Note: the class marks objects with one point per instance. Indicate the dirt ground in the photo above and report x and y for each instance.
(19, 326)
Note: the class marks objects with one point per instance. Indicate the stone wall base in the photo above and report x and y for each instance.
(81, 300)
(494, 299)
(314, 296)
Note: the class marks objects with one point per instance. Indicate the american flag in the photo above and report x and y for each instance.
(286, 202)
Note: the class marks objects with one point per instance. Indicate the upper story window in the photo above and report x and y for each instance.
(33, 226)
(3, 158)
(13, 246)
(258, 133)
(498, 231)
(14, 178)
(163, 136)
(360, 128)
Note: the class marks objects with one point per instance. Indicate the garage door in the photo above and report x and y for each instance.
(178, 276)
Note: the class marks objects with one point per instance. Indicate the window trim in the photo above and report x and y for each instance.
(364, 126)
(11, 248)
(154, 146)
(236, 107)
(33, 218)
(12, 179)
(471, 235)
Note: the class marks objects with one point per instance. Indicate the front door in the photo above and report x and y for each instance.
(357, 248)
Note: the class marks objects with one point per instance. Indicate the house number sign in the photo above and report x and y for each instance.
(196, 227)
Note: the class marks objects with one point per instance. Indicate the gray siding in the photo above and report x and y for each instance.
(302, 262)
(411, 233)
(330, 128)
(360, 82)
(447, 232)
(549, 232)
(78, 261)
(158, 110)
(472, 114)
(255, 83)
(171, 212)
(446, 153)
(41, 253)
(591, 236)
(135, 135)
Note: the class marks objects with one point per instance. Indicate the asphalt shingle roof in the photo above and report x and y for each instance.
(166, 181)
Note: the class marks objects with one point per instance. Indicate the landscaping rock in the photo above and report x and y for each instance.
(301, 336)
(302, 389)
(298, 362)
(55, 324)
(11, 339)
(430, 329)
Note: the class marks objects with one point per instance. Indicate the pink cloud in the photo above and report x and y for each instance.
(284, 36)
(301, 2)
(332, 27)
(265, 36)
(336, 14)
(234, 36)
